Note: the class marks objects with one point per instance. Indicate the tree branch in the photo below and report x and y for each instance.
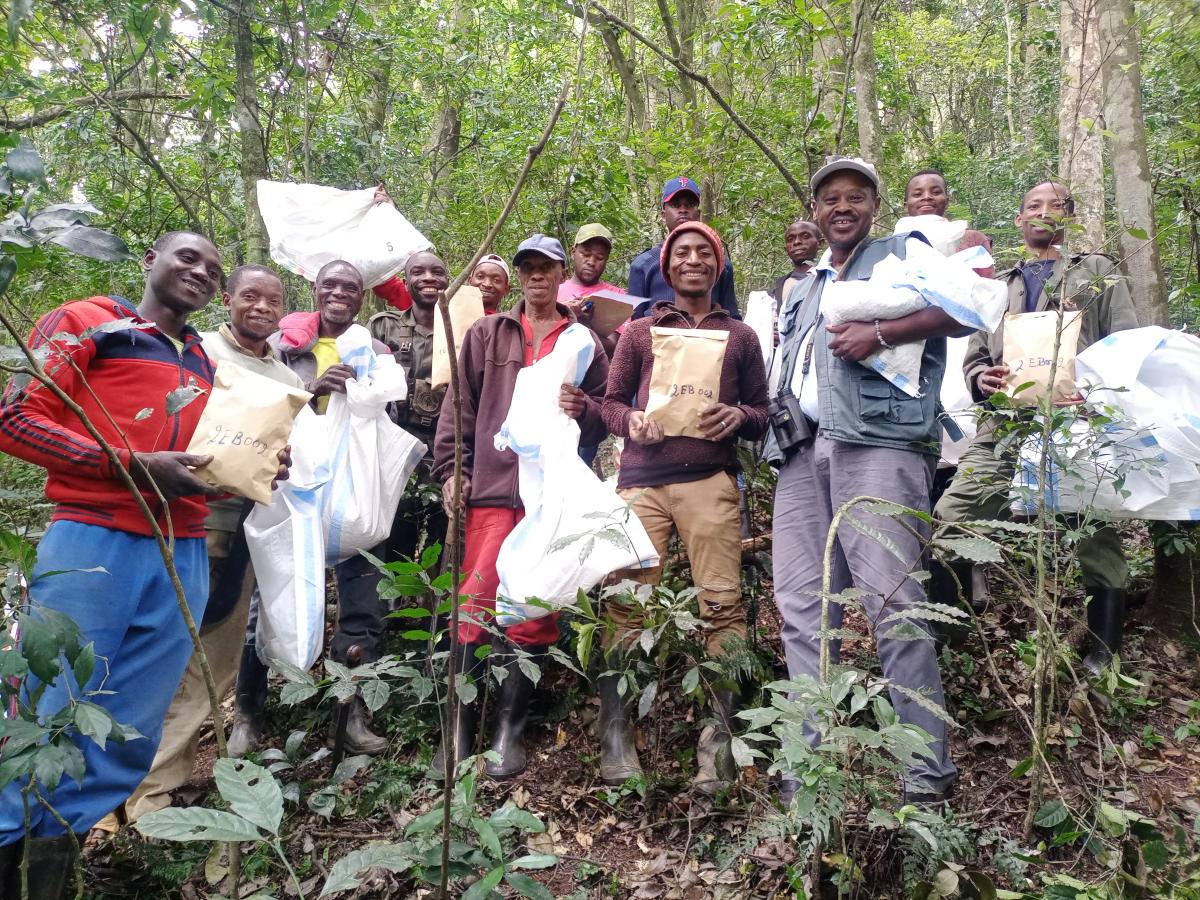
(46, 116)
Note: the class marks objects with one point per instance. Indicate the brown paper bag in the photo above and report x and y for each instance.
(466, 306)
(247, 421)
(686, 378)
(1029, 351)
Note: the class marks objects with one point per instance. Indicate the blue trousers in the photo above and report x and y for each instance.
(129, 612)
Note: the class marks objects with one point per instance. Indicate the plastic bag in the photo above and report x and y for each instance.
(310, 225)
(760, 315)
(349, 468)
(576, 529)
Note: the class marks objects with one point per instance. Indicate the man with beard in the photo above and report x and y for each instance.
(840, 431)
(680, 203)
(254, 299)
(98, 562)
(492, 353)
(1046, 280)
(684, 485)
(409, 335)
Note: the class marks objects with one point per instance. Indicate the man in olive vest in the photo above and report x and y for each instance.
(409, 335)
(840, 430)
(1045, 280)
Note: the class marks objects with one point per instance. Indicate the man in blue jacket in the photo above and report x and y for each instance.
(680, 203)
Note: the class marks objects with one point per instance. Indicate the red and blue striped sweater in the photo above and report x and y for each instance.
(129, 372)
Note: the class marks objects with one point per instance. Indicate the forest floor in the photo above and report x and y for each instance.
(666, 841)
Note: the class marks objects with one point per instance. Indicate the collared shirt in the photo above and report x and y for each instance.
(532, 354)
(1035, 273)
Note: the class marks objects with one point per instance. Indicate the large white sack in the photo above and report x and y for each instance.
(957, 402)
(576, 528)
(760, 316)
(310, 225)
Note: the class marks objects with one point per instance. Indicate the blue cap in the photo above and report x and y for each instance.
(543, 244)
(675, 185)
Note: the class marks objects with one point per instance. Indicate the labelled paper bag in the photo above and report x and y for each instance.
(686, 378)
(466, 306)
(1029, 354)
(247, 421)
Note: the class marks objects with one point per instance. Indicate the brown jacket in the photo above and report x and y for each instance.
(492, 354)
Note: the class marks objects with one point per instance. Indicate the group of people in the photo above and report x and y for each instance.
(834, 428)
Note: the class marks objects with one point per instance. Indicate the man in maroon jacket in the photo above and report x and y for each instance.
(494, 350)
(684, 484)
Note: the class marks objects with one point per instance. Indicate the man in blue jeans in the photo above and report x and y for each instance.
(98, 562)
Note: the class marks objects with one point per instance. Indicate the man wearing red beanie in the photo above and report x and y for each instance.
(686, 485)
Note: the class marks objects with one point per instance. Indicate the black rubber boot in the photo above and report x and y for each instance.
(250, 702)
(512, 712)
(618, 750)
(51, 867)
(945, 590)
(360, 739)
(466, 723)
(715, 767)
(1106, 622)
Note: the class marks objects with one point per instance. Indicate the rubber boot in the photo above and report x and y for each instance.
(618, 750)
(360, 739)
(1106, 622)
(715, 768)
(466, 722)
(51, 867)
(512, 712)
(250, 701)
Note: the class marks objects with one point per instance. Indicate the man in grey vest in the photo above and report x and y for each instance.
(840, 430)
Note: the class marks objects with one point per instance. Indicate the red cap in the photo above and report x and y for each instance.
(711, 236)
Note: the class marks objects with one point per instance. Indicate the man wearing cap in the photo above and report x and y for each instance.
(589, 258)
(492, 276)
(680, 203)
(840, 431)
(493, 352)
(686, 485)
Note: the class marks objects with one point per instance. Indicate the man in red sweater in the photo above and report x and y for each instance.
(141, 376)
(684, 484)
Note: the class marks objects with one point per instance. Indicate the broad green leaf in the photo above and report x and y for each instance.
(196, 824)
(691, 680)
(1156, 855)
(23, 160)
(509, 816)
(482, 888)
(346, 873)
(973, 549)
(527, 887)
(93, 243)
(53, 760)
(375, 693)
(1051, 814)
(646, 700)
(251, 792)
(93, 721)
(181, 397)
(85, 665)
(488, 839)
(534, 861)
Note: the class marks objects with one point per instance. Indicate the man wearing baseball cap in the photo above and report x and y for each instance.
(492, 276)
(589, 258)
(680, 203)
(840, 430)
(493, 352)
(686, 485)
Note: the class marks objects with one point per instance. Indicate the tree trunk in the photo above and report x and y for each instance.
(1130, 167)
(1080, 120)
(446, 137)
(250, 133)
(866, 100)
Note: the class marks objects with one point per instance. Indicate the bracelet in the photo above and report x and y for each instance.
(879, 337)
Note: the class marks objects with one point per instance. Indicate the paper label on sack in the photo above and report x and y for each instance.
(466, 308)
(246, 422)
(1029, 354)
(686, 378)
(609, 310)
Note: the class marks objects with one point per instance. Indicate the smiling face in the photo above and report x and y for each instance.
(1044, 210)
(426, 276)
(492, 283)
(540, 277)
(692, 265)
(683, 207)
(802, 242)
(589, 260)
(926, 195)
(845, 207)
(255, 306)
(338, 292)
(183, 275)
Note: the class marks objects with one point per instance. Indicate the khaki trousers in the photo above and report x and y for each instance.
(223, 642)
(706, 516)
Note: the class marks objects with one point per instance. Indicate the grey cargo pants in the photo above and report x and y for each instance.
(814, 482)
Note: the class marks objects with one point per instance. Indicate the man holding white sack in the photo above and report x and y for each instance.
(980, 490)
(491, 354)
(685, 484)
(254, 298)
(307, 345)
(841, 430)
